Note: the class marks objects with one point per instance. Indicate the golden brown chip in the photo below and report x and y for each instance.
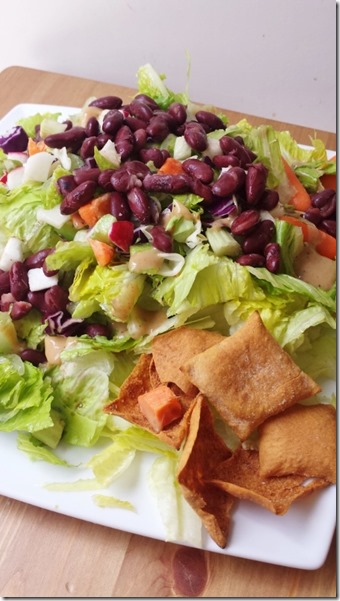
(203, 450)
(302, 440)
(126, 405)
(249, 377)
(239, 476)
(172, 349)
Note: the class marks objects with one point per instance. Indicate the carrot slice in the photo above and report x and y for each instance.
(160, 406)
(95, 209)
(328, 180)
(171, 166)
(300, 200)
(324, 244)
(103, 252)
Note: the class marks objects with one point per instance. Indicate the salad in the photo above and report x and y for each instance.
(127, 220)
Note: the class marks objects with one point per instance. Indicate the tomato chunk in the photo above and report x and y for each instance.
(160, 406)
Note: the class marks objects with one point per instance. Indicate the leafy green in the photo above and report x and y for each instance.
(152, 84)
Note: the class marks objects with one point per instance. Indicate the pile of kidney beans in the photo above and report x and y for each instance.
(134, 191)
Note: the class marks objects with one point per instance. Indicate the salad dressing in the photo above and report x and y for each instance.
(313, 268)
(145, 260)
(144, 323)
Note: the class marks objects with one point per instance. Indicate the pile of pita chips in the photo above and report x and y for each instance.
(254, 386)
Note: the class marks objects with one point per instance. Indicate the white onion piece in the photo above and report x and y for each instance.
(12, 252)
(15, 177)
(38, 166)
(37, 280)
(52, 217)
(173, 263)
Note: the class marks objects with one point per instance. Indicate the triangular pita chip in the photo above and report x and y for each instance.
(239, 476)
(203, 450)
(141, 380)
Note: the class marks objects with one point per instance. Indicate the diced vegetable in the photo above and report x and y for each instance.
(92, 211)
(160, 406)
(300, 199)
(328, 180)
(103, 252)
(171, 166)
(15, 140)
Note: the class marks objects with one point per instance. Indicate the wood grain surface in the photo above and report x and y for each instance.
(45, 554)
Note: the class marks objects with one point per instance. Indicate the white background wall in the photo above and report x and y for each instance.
(272, 58)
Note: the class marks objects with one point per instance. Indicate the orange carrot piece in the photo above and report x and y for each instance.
(160, 406)
(323, 243)
(103, 252)
(328, 180)
(171, 166)
(95, 209)
(326, 246)
(300, 200)
(33, 147)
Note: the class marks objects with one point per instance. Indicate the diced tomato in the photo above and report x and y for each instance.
(160, 406)
(3, 178)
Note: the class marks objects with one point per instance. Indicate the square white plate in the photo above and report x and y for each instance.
(300, 539)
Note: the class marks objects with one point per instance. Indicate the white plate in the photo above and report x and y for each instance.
(300, 539)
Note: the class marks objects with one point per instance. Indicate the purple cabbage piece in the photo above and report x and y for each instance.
(15, 140)
(61, 324)
(223, 207)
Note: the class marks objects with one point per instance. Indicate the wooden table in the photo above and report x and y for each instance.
(44, 554)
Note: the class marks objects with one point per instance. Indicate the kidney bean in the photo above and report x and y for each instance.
(229, 182)
(37, 300)
(210, 119)
(19, 309)
(161, 239)
(138, 168)
(78, 197)
(319, 199)
(230, 145)
(123, 181)
(260, 236)
(272, 257)
(328, 226)
(38, 258)
(134, 123)
(104, 179)
(268, 200)
(18, 281)
(72, 139)
(65, 184)
(245, 222)
(107, 102)
(140, 109)
(139, 204)
(33, 356)
(87, 148)
(4, 282)
(199, 170)
(253, 260)
(178, 112)
(112, 122)
(201, 189)
(102, 139)
(179, 183)
(329, 208)
(119, 207)
(92, 127)
(157, 129)
(124, 142)
(255, 182)
(226, 160)
(85, 174)
(97, 329)
(147, 100)
(313, 215)
(140, 137)
(56, 299)
(195, 135)
(67, 122)
(49, 272)
(152, 154)
(7, 300)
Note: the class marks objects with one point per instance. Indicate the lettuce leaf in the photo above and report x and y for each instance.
(152, 84)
